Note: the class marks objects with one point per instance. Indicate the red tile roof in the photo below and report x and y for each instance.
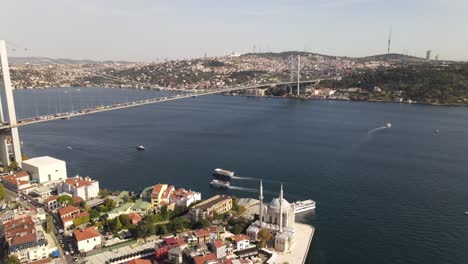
(17, 178)
(204, 259)
(202, 232)
(157, 188)
(139, 261)
(23, 239)
(81, 214)
(240, 237)
(20, 231)
(218, 243)
(78, 181)
(134, 217)
(51, 198)
(87, 233)
(67, 210)
(167, 192)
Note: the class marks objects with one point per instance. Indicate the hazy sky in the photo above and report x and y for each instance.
(146, 30)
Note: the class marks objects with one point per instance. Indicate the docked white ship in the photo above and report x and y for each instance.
(304, 206)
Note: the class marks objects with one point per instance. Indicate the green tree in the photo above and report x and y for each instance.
(117, 226)
(161, 230)
(81, 220)
(109, 204)
(82, 204)
(3, 192)
(237, 229)
(164, 212)
(125, 220)
(178, 211)
(65, 199)
(13, 259)
(203, 223)
(178, 224)
(264, 236)
(13, 166)
(93, 213)
(144, 229)
(235, 204)
(104, 192)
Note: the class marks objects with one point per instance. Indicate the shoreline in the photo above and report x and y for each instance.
(350, 100)
(266, 96)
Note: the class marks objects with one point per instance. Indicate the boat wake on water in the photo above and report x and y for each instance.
(372, 131)
(243, 178)
(243, 189)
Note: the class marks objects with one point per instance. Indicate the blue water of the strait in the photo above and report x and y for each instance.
(395, 195)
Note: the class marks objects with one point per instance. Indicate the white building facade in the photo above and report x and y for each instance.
(45, 169)
(85, 188)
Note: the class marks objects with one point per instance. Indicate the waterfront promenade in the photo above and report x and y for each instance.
(304, 235)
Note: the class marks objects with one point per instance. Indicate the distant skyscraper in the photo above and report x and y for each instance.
(437, 57)
(428, 55)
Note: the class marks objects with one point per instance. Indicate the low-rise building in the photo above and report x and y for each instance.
(218, 204)
(206, 259)
(18, 182)
(219, 248)
(134, 217)
(87, 239)
(142, 207)
(175, 256)
(45, 169)
(241, 241)
(67, 214)
(182, 197)
(85, 188)
(160, 194)
(25, 238)
(51, 203)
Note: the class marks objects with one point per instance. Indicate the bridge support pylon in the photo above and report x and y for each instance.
(6, 98)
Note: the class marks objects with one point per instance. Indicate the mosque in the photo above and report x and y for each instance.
(278, 217)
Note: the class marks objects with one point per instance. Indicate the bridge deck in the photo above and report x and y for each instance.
(98, 109)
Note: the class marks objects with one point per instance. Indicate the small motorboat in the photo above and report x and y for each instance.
(69, 148)
(140, 147)
(388, 125)
(466, 212)
(437, 131)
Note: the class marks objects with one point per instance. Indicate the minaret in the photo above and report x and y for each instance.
(281, 209)
(260, 197)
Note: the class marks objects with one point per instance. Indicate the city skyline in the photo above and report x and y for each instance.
(152, 30)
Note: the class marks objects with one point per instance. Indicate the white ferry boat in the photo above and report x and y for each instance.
(303, 206)
(220, 184)
(140, 147)
(222, 175)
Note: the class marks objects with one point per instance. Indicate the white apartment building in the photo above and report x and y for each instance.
(87, 239)
(86, 188)
(182, 197)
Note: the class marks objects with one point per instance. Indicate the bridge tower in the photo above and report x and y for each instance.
(294, 63)
(8, 127)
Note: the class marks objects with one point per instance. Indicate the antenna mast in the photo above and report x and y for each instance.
(389, 41)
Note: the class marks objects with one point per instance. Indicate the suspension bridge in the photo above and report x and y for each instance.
(9, 126)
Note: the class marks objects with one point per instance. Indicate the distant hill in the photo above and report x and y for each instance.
(380, 57)
(286, 54)
(392, 57)
(46, 60)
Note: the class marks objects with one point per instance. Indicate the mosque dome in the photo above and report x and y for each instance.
(275, 203)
